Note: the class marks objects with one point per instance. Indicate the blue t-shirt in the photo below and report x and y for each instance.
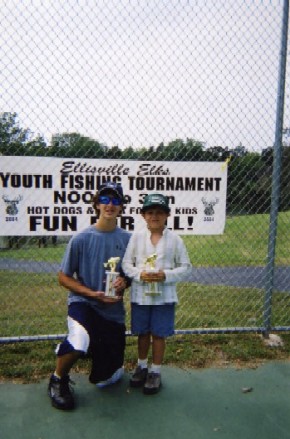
(84, 259)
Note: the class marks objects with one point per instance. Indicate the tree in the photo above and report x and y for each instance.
(130, 153)
(285, 179)
(76, 145)
(12, 138)
(36, 147)
(239, 151)
(249, 184)
(18, 141)
(180, 150)
(216, 153)
(114, 152)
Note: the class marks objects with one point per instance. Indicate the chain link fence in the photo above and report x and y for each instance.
(154, 82)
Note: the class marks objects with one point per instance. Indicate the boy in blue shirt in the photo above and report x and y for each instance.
(94, 320)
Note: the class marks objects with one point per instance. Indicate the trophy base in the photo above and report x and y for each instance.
(152, 290)
(112, 296)
(152, 294)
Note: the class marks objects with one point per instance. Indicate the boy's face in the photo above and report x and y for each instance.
(109, 205)
(155, 218)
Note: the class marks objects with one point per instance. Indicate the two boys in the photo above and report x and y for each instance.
(96, 321)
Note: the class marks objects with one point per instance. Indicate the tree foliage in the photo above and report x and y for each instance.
(76, 145)
(16, 141)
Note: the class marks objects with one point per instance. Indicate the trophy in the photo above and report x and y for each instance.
(111, 276)
(151, 287)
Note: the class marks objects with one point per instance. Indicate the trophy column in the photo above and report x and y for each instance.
(151, 288)
(110, 278)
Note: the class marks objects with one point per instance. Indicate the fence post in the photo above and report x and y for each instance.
(270, 267)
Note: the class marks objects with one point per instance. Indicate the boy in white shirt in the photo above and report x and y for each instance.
(153, 291)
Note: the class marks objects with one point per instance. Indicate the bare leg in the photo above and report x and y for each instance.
(143, 346)
(153, 381)
(65, 363)
(158, 349)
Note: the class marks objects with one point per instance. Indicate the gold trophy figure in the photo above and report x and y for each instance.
(151, 288)
(111, 276)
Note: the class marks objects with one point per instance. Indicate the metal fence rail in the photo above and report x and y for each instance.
(155, 81)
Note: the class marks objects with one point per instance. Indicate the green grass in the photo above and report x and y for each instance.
(39, 307)
(34, 304)
(244, 242)
(30, 252)
(31, 362)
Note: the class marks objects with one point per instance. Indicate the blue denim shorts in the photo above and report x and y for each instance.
(155, 319)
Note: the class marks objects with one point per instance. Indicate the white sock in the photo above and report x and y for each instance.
(156, 368)
(143, 363)
(57, 376)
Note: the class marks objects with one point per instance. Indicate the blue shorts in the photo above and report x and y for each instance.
(155, 319)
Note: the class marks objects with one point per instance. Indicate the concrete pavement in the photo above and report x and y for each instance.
(202, 404)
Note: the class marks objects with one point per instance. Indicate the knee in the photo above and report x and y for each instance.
(157, 338)
(78, 336)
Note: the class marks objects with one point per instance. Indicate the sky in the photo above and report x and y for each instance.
(138, 73)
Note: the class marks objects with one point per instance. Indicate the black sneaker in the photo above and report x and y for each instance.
(60, 393)
(138, 377)
(152, 384)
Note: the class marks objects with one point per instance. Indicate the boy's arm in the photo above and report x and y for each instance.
(130, 270)
(126, 279)
(183, 267)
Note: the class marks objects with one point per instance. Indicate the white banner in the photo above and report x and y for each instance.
(53, 196)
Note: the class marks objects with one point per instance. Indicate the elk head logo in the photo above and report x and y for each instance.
(11, 208)
(208, 205)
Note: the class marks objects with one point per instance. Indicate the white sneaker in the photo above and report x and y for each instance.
(114, 378)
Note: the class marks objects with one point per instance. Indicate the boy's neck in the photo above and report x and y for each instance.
(157, 231)
(105, 225)
(156, 235)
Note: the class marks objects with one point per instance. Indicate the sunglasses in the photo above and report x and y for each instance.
(105, 199)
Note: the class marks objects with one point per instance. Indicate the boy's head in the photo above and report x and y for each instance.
(155, 201)
(111, 188)
(109, 192)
